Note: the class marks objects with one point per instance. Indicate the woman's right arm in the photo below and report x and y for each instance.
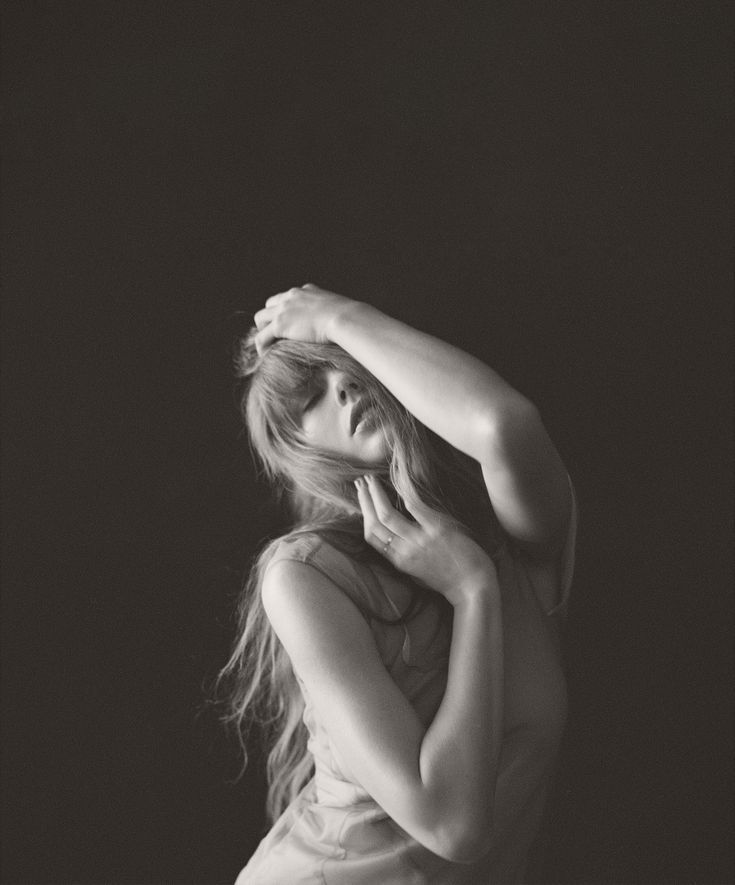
(438, 783)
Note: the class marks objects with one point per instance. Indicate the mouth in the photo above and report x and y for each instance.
(358, 410)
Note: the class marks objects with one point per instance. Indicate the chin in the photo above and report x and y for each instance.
(376, 453)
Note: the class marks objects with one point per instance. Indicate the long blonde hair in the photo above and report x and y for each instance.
(258, 681)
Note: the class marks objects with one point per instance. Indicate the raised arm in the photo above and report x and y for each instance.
(453, 393)
(436, 783)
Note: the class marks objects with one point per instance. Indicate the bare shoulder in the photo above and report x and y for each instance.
(292, 586)
(285, 580)
(312, 616)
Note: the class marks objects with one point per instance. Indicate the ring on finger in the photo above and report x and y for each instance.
(387, 544)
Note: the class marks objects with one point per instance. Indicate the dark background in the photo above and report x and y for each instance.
(546, 184)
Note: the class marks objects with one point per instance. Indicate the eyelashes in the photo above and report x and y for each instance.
(315, 387)
(313, 392)
(311, 402)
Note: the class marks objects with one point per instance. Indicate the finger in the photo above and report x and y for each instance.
(369, 516)
(376, 534)
(387, 514)
(281, 296)
(263, 317)
(275, 299)
(264, 338)
(423, 514)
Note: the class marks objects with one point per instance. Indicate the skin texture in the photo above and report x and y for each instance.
(438, 782)
(327, 421)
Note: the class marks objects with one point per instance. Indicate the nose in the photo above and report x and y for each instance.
(347, 391)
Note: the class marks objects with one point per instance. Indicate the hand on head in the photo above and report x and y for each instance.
(303, 313)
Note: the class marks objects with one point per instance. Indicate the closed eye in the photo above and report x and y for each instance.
(313, 391)
(312, 401)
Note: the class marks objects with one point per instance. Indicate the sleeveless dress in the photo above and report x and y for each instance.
(333, 833)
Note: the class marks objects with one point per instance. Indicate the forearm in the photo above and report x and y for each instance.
(460, 751)
(453, 393)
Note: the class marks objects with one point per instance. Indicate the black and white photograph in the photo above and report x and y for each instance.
(367, 442)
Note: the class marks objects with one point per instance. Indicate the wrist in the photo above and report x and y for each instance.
(477, 593)
(346, 315)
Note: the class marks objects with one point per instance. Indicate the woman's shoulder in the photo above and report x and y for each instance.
(326, 555)
(297, 546)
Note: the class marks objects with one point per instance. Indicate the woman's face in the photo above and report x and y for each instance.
(335, 416)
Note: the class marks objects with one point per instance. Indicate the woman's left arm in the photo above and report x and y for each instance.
(455, 395)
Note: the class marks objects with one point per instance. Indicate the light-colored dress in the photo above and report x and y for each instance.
(333, 833)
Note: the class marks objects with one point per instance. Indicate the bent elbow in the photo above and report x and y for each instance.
(466, 844)
(470, 852)
(509, 422)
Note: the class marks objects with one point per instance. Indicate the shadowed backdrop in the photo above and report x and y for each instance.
(546, 184)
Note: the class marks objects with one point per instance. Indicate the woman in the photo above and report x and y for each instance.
(402, 641)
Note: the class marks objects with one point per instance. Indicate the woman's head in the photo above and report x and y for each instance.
(317, 420)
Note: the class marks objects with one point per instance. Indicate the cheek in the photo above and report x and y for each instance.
(317, 428)
(310, 429)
